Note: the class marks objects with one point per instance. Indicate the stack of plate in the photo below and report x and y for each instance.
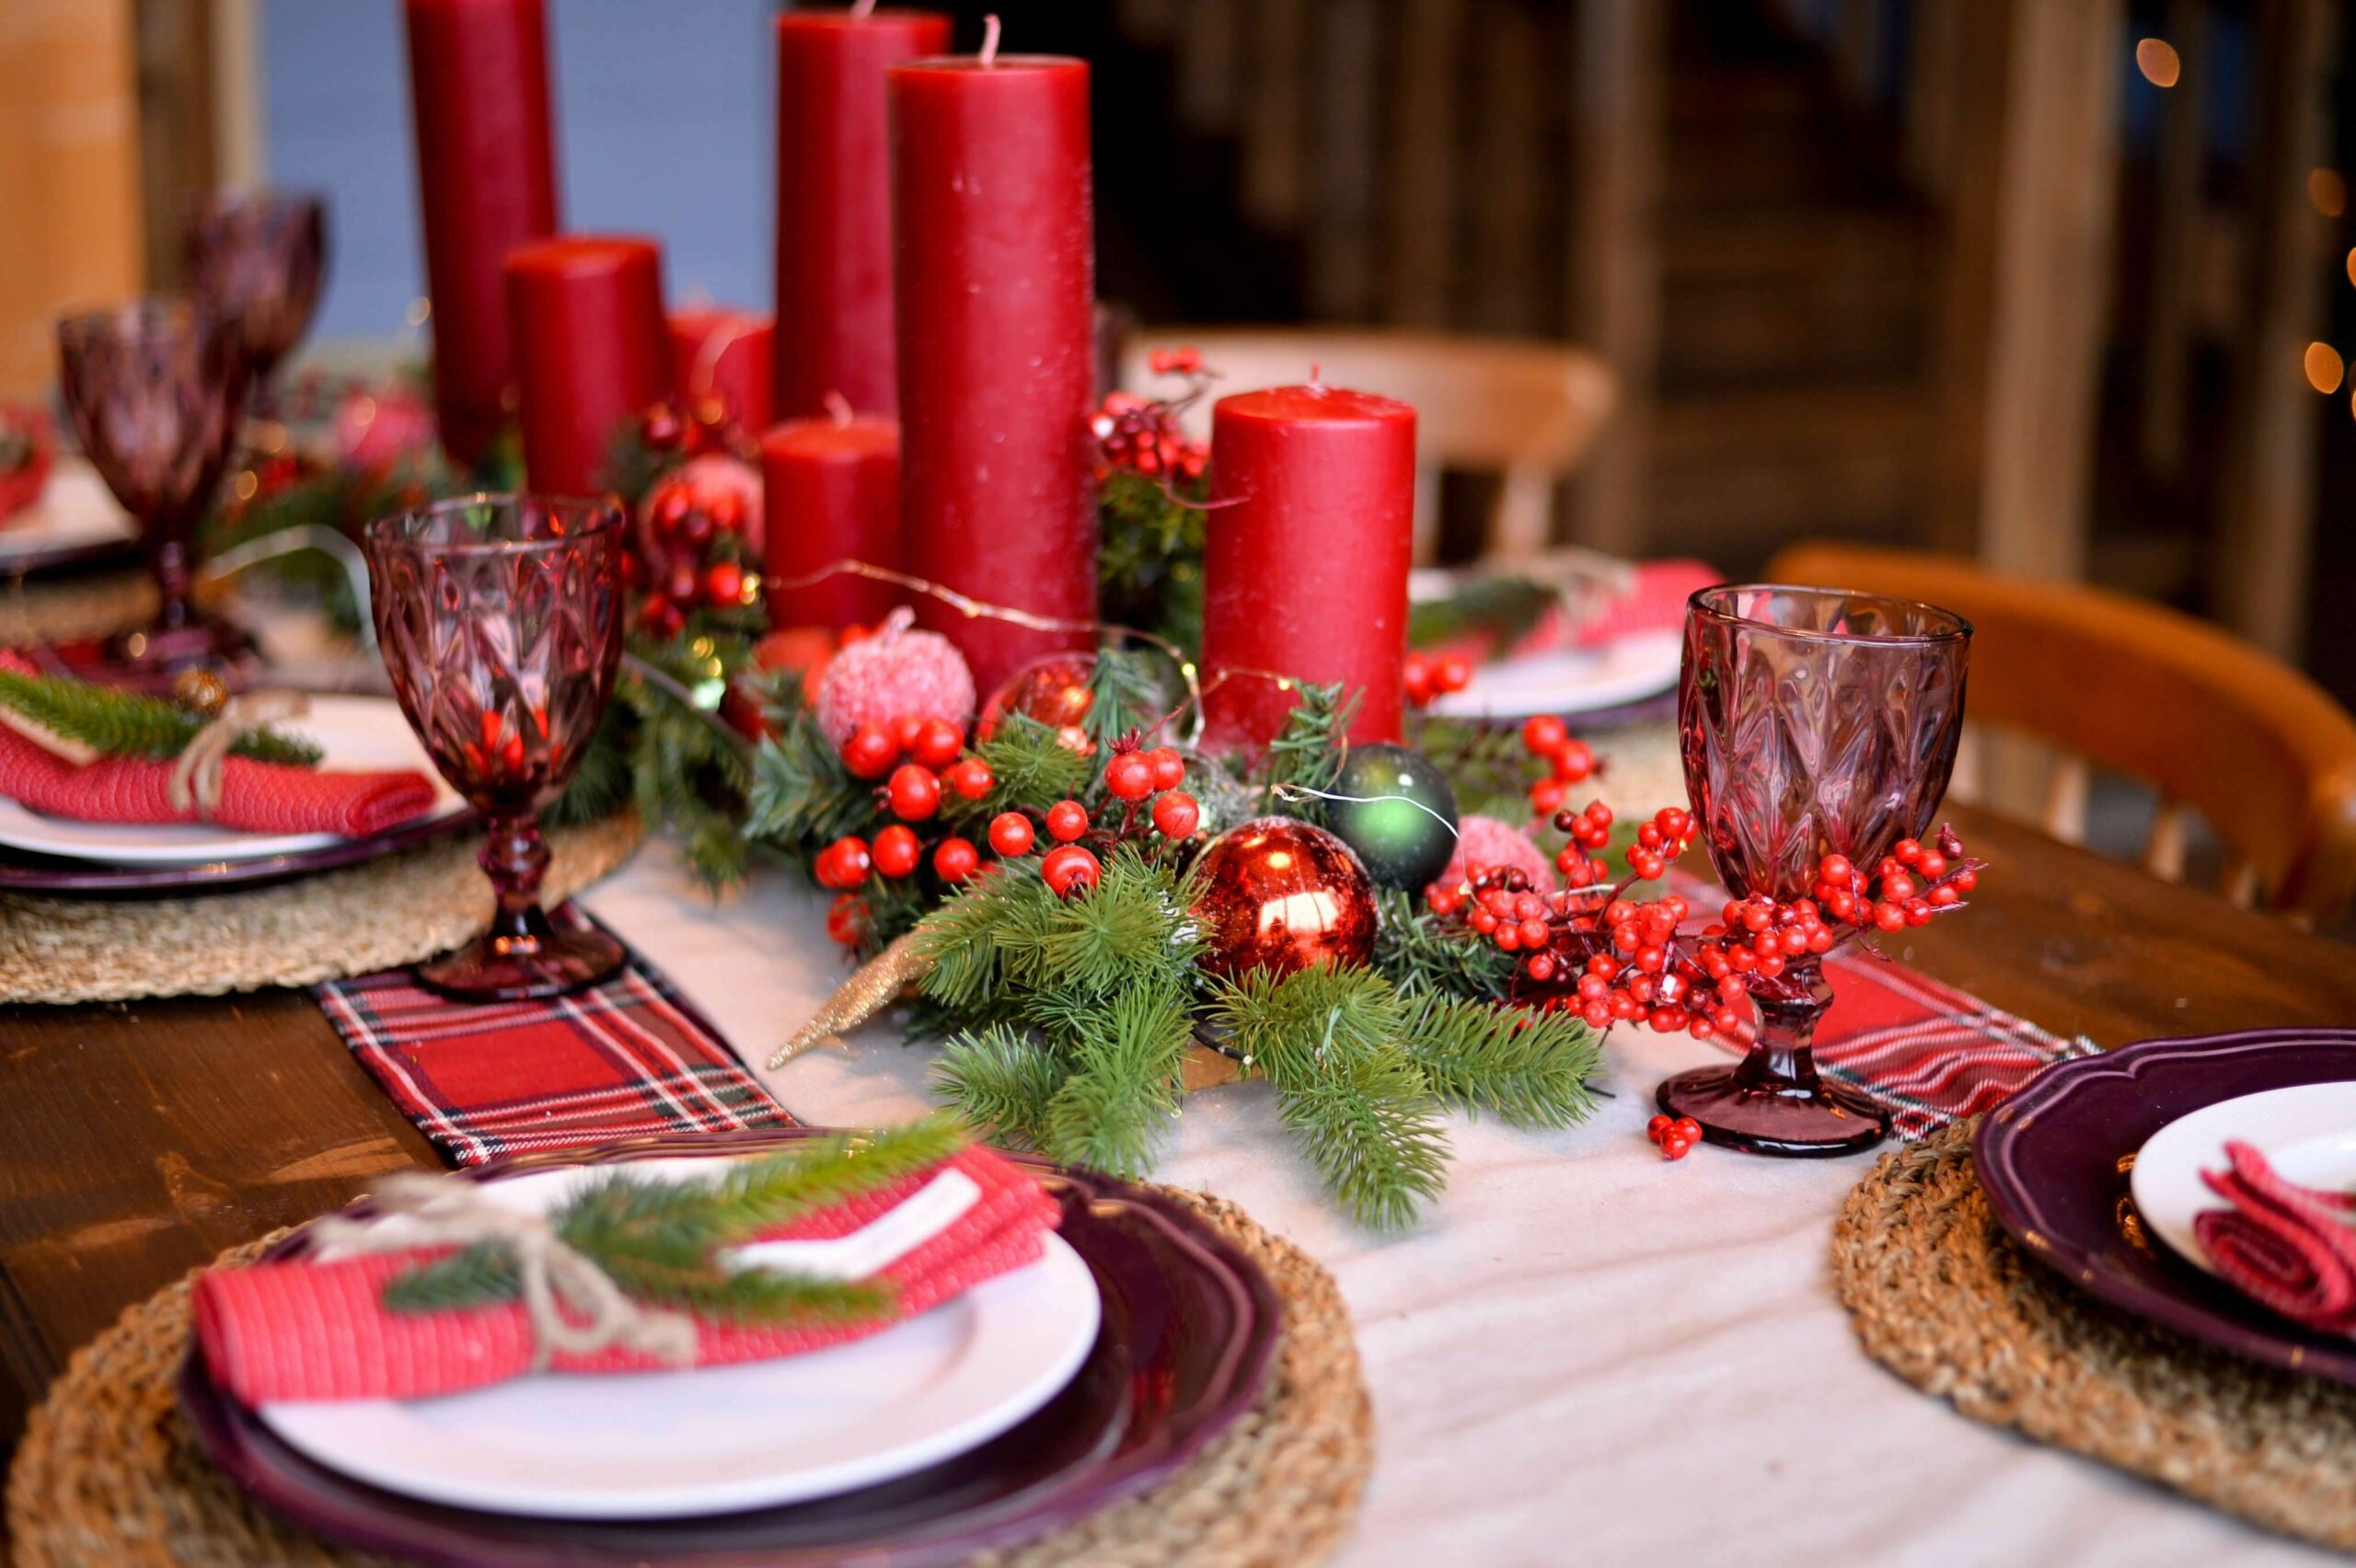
(1026, 1404)
(2095, 1168)
(55, 855)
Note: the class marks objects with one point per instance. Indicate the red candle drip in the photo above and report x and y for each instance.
(833, 202)
(997, 293)
(591, 348)
(1305, 566)
(725, 354)
(486, 179)
(832, 493)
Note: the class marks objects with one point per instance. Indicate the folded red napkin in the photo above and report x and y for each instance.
(319, 1330)
(1655, 601)
(256, 797)
(2289, 1249)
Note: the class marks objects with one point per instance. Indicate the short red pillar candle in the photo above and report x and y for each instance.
(833, 202)
(591, 350)
(725, 354)
(486, 181)
(1310, 538)
(831, 492)
(995, 250)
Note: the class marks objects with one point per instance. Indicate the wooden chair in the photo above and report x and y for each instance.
(1525, 411)
(2215, 725)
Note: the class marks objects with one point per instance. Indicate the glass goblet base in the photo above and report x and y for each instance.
(1817, 1120)
(538, 960)
(151, 658)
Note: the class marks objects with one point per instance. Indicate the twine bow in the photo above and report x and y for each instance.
(574, 1305)
(195, 783)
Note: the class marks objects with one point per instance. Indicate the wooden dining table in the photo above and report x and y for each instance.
(139, 1140)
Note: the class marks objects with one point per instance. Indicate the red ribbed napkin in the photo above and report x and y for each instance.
(2289, 1249)
(304, 1331)
(256, 797)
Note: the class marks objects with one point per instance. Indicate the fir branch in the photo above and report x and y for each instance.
(1528, 1067)
(802, 797)
(1499, 609)
(1123, 1092)
(1149, 561)
(1029, 763)
(1124, 695)
(1011, 932)
(688, 771)
(761, 1194)
(1485, 764)
(1000, 1082)
(1307, 752)
(118, 722)
(1421, 956)
(600, 784)
(480, 1275)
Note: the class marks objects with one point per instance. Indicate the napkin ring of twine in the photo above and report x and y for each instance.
(574, 1307)
(195, 783)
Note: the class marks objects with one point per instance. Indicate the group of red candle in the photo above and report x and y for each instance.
(931, 358)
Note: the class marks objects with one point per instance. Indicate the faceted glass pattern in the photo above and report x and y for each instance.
(1811, 721)
(501, 620)
(259, 256)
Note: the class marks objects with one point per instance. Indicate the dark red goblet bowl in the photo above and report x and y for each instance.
(501, 621)
(259, 256)
(1812, 721)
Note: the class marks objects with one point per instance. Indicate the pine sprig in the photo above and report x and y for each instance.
(688, 771)
(1527, 1068)
(1149, 564)
(117, 722)
(1029, 763)
(1485, 764)
(802, 798)
(1416, 955)
(1000, 1081)
(1123, 1092)
(600, 783)
(480, 1275)
(1124, 695)
(1307, 752)
(1012, 933)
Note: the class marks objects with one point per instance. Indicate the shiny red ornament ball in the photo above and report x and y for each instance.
(1053, 690)
(1069, 867)
(1284, 895)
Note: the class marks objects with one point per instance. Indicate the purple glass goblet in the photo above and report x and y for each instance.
(258, 256)
(1812, 721)
(500, 619)
(153, 390)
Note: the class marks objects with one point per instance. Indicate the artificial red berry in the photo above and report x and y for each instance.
(896, 852)
(1573, 762)
(1415, 675)
(1689, 1129)
(1069, 866)
(846, 919)
(914, 792)
(843, 863)
(1657, 1126)
(937, 743)
(1674, 1148)
(727, 512)
(1906, 852)
(1010, 834)
(868, 753)
(1067, 820)
(1453, 673)
(1545, 796)
(1544, 734)
(724, 583)
(1168, 768)
(970, 776)
(955, 859)
(1129, 776)
(1835, 869)
(1175, 814)
(905, 730)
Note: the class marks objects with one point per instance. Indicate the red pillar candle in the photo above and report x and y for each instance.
(591, 350)
(726, 354)
(833, 202)
(994, 247)
(486, 179)
(1310, 538)
(831, 494)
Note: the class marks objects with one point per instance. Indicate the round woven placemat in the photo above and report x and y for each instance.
(108, 1474)
(74, 609)
(1943, 1297)
(376, 916)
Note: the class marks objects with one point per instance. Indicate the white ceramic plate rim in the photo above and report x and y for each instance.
(75, 508)
(356, 732)
(1026, 1333)
(2165, 1180)
(1571, 680)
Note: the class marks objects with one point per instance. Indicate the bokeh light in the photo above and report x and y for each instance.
(2157, 58)
(2328, 190)
(2324, 367)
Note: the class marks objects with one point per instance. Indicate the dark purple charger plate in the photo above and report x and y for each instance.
(1190, 1330)
(23, 871)
(2054, 1161)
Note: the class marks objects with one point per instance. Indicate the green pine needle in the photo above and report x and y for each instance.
(1307, 752)
(117, 722)
(1111, 1113)
(1029, 763)
(1527, 1068)
(1124, 695)
(1000, 1082)
(480, 1275)
(1421, 957)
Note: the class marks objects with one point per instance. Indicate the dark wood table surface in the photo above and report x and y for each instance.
(139, 1140)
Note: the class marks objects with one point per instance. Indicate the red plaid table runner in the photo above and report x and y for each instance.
(626, 1057)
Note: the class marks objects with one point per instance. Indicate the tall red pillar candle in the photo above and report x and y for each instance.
(486, 179)
(994, 245)
(1310, 538)
(833, 202)
(725, 354)
(591, 351)
(831, 492)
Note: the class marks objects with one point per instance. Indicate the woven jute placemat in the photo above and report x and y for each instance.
(74, 609)
(1946, 1299)
(375, 916)
(109, 1474)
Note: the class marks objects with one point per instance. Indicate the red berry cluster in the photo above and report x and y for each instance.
(1132, 776)
(1568, 761)
(688, 555)
(1140, 435)
(1675, 1135)
(708, 424)
(1425, 677)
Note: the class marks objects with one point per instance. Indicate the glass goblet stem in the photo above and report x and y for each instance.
(515, 858)
(1782, 1059)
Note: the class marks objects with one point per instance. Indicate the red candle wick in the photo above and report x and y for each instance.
(1315, 370)
(838, 408)
(990, 41)
(858, 12)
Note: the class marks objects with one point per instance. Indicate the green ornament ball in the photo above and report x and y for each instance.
(1403, 824)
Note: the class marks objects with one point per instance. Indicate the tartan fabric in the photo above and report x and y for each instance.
(626, 1057)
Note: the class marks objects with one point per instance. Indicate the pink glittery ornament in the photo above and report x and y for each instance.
(897, 671)
(1484, 841)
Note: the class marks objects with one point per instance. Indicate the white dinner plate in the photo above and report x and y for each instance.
(673, 1445)
(1570, 680)
(2307, 1134)
(356, 733)
(75, 511)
